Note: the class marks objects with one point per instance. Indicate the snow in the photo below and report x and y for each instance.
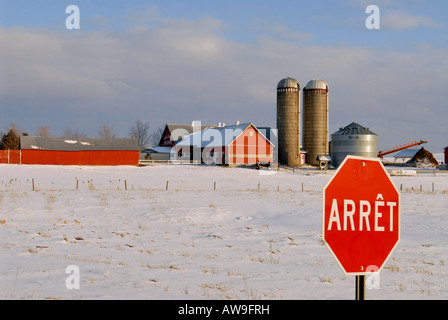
(257, 236)
(71, 141)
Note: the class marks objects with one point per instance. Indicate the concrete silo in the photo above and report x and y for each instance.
(315, 120)
(355, 140)
(288, 122)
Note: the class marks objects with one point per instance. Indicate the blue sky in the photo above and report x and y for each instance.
(220, 61)
(327, 22)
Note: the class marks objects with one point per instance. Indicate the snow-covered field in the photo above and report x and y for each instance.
(257, 236)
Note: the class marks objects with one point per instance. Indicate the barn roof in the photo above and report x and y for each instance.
(81, 144)
(407, 153)
(216, 137)
(186, 127)
(178, 131)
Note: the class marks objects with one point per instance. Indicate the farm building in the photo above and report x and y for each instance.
(423, 159)
(446, 155)
(242, 144)
(405, 155)
(172, 134)
(85, 151)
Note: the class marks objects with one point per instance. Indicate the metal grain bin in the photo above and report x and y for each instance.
(355, 140)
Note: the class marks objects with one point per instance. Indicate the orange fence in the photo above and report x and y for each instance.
(10, 156)
(41, 157)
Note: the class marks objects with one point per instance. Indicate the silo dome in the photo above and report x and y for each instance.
(288, 83)
(317, 84)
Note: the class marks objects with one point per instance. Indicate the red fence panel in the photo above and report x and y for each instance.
(10, 156)
(82, 158)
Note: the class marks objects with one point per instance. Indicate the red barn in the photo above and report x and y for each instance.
(235, 145)
(83, 151)
(446, 155)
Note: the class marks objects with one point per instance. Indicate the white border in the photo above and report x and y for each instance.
(323, 215)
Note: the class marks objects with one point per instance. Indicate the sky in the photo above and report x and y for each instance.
(220, 61)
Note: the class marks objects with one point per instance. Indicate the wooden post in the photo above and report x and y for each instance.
(33, 184)
(125, 185)
(360, 290)
(167, 185)
(77, 184)
(214, 185)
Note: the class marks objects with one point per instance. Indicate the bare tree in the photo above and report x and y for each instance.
(156, 136)
(106, 132)
(141, 132)
(69, 133)
(43, 131)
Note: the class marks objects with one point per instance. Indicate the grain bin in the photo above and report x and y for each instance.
(288, 122)
(315, 120)
(355, 140)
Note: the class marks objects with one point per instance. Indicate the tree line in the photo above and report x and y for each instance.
(141, 131)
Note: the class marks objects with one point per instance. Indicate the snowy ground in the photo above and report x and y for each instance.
(194, 242)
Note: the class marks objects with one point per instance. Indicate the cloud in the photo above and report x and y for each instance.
(403, 21)
(184, 70)
(266, 29)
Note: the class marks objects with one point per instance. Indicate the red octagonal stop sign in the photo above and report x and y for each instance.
(361, 215)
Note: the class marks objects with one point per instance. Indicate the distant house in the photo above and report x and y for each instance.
(171, 135)
(83, 151)
(242, 144)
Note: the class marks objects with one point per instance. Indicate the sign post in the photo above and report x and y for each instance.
(361, 217)
(360, 291)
